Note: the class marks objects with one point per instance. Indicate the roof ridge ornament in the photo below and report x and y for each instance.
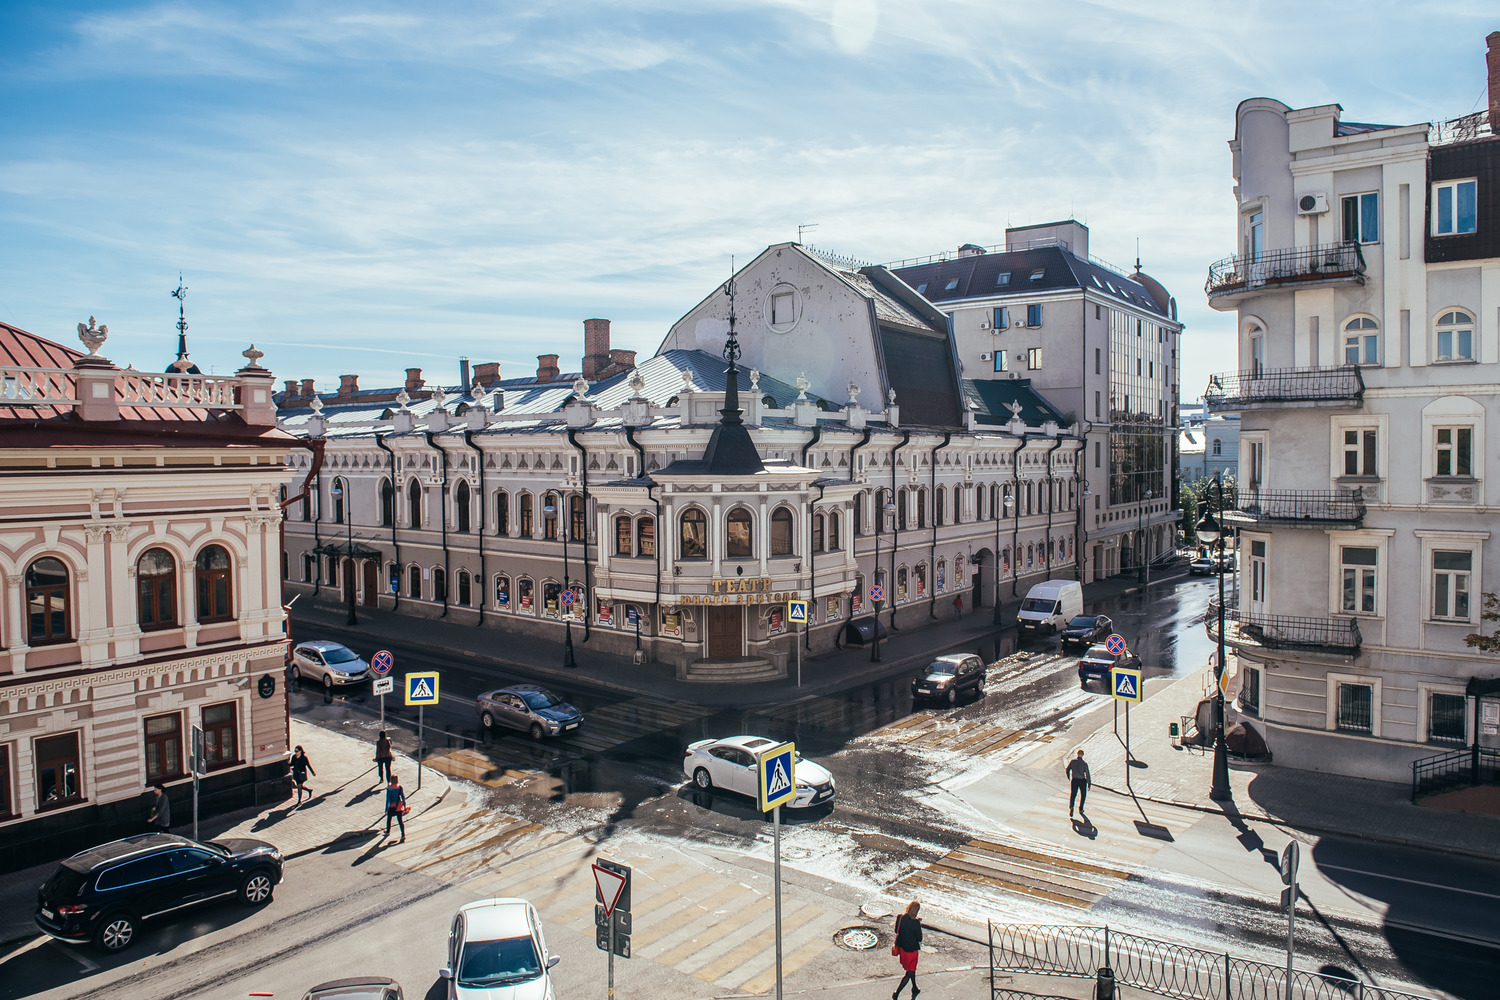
(637, 383)
(403, 400)
(755, 380)
(581, 387)
(316, 405)
(802, 385)
(854, 392)
(253, 356)
(93, 337)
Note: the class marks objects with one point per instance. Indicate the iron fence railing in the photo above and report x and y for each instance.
(1466, 128)
(1445, 772)
(1283, 631)
(1233, 390)
(1170, 970)
(1299, 506)
(1291, 266)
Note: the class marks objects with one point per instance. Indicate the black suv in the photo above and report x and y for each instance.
(103, 894)
(1085, 630)
(947, 675)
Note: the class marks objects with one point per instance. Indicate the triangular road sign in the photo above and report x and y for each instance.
(778, 781)
(608, 885)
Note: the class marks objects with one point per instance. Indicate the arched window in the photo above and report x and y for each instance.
(1030, 555)
(940, 581)
(1361, 341)
(156, 589)
(465, 592)
(461, 508)
(502, 512)
(1455, 336)
(46, 602)
(818, 533)
(940, 509)
(339, 491)
(694, 535)
(577, 518)
(922, 507)
(958, 572)
(901, 508)
(414, 582)
(502, 593)
(1005, 560)
(900, 583)
(979, 506)
(624, 544)
(738, 536)
(525, 598)
(833, 531)
(781, 532)
(307, 505)
(387, 504)
(528, 517)
(439, 584)
(645, 537)
(414, 503)
(550, 512)
(859, 513)
(552, 599)
(919, 576)
(214, 593)
(1217, 446)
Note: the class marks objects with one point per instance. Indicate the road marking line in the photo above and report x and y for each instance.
(692, 911)
(715, 932)
(1021, 852)
(731, 960)
(790, 964)
(73, 954)
(1409, 881)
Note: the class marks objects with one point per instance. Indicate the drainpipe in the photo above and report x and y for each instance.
(1080, 534)
(443, 516)
(583, 467)
(812, 553)
(483, 580)
(395, 548)
(640, 456)
(854, 545)
(1015, 532)
(315, 445)
(932, 559)
(895, 529)
(1055, 445)
(656, 609)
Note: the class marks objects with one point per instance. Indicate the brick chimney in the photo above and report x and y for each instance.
(307, 389)
(595, 348)
(546, 367)
(1492, 59)
(487, 373)
(414, 380)
(348, 386)
(620, 360)
(291, 390)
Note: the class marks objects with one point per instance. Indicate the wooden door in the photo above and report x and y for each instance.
(976, 601)
(372, 584)
(726, 632)
(347, 572)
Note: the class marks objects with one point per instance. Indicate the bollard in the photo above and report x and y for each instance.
(1176, 733)
(1104, 984)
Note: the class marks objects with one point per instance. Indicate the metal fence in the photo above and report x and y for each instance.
(1445, 772)
(1299, 507)
(1233, 390)
(1160, 967)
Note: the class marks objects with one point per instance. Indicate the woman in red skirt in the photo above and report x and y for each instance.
(908, 944)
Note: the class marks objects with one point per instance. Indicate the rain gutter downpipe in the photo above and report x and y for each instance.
(479, 462)
(932, 559)
(655, 611)
(895, 528)
(1055, 445)
(855, 536)
(442, 512)
(395, 548)
(812, 553)
(1015, 533)
(583, 469)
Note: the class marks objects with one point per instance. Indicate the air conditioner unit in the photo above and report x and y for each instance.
(1020, 323)
(984, 324)
(1312, 204)
(986, 356)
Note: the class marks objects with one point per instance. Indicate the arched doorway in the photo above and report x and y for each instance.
(372, 584)
(981, 579)
(346, 576)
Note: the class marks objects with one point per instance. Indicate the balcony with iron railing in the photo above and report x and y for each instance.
(1246, 629)
(1233, 278)
(1304, 508)
(1343, 386)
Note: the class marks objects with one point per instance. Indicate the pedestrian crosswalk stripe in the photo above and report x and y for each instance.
(717, 931)
(692, 910)
(790, 964)
(982, 864)
(736, 957)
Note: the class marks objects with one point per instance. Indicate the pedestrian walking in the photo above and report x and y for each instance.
(160, 819)
(908, 943)
(395, 807)
(301, 768)
(958, 607)
(383, 757)
(1080, 780)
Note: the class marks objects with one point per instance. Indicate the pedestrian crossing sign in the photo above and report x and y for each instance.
(796, 612)
(1125, 684)
(776, 770)
(422, 689)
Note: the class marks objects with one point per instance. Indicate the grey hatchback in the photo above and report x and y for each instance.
(947, 675)
(529, 708)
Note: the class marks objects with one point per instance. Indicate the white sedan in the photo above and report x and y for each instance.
(496, 951)
(730, 764)
(330, 663)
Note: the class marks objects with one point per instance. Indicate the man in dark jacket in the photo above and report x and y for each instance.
(160, 820)
(1078, 773)
(383, 757)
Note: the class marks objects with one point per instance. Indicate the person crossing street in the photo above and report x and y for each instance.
(1078, 775)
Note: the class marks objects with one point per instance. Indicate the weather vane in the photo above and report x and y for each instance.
(180, 294)
(732, 345)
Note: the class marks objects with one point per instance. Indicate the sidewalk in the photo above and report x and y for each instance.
(347, 808)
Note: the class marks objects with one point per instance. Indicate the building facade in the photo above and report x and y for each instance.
(1208, 447)
(139, 540)
(1101, 346)
(1367, 291)
(874, 463)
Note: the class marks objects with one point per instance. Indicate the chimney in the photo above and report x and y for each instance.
(595, 347)
(1492, 59)
(291, 390)
(620, 360)
(348, 386)
(414, 380)
(487, 373)
(546, 367)
(463, 375)
(307, 389)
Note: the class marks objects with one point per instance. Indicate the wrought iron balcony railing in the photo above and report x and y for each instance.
(1329, 635)
(1294, 265)
(1270, 386)
(1311, 507)
(1464, 129)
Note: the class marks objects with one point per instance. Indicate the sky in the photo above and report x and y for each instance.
(362, 187)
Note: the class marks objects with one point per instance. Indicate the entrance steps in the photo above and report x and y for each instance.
(734, 670)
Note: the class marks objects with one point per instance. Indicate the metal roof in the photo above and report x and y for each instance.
(978, 276)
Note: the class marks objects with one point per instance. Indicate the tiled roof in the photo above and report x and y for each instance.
(991, 399)
(978, 276)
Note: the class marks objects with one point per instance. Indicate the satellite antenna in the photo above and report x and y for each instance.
(804, 228)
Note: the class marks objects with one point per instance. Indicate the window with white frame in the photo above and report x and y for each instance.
(1362, 217)
(1454, 333)
(1358, 565)
(1455, 207)
(1001, 364)
(1451, 573)
(1355, 711)
(1361, 341)
(1454, 450)
(1034, 358)
(1446, 716)
(1360, 451)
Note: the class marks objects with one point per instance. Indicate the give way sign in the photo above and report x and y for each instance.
(609, 885)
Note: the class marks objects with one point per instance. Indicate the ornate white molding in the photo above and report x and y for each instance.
(236, 663)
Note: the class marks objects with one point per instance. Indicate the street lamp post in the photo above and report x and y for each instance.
(566, 610)
(1210, 531)
(337, 491)
(1144, 574)
(880, 514)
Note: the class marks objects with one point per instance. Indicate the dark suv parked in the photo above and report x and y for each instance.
(946, 676)
(1085, 630)
(103, 894)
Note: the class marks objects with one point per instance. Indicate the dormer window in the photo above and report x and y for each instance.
(1003, 278)
(922, 288)
(1039, 274)
(950, 286)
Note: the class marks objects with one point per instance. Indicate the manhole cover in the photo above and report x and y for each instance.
(858, 938)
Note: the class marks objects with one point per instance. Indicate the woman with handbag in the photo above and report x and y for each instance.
(908, 943)
(395, 807)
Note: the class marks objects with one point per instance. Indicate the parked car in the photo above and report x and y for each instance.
(1210, 564)
(358, 988)
(528, 708)
(1049, 606)
(1085, 630)
(496, 951)
(1098, 663)
(730, 764)
(103, 894)
(947, 676)
(332, 663)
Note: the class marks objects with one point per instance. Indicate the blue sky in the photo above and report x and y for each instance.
(363, 187)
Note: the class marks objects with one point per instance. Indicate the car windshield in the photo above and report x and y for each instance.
(494, 963)
(1082, 621)
(339, 654)
(540, 699)
(941, 667)
(1037, 604)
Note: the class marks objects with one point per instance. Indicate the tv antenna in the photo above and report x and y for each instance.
(804, 228)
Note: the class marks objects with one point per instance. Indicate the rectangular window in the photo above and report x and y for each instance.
(622, 536)
(1003, 278)
(1359, 452)
(1034, 358)
(57, 770)
(1002, 318)
(1096, 404)
(1450, 584)
(1358, 564)
(1455, 207)
(221, 743)
(1464, 339)
(1098, 311)
(1455, 450)
(1445, 718)
(782, 308)
(648, 537)
(1000, 363)
(7, 795)
(1362, 218)
(1096, 361)
(163, 747)
(1038, 274)
(1034, 315)
(1356, 702)
(1096, 465)
(1250, 692)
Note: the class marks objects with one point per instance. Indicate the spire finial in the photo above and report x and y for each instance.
(183, 365)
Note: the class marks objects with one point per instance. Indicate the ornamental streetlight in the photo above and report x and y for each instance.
(880, 516)
(337, 492)
(1210, 531)
(566, 610)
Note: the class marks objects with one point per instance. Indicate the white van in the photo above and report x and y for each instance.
(1049, 606)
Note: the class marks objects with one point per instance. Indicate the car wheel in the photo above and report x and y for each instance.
(702, 780)
(296, 672)
(116, 932)
(953, 696)
(256, 889)
(327, 682)
(537, 732)
(486, 720)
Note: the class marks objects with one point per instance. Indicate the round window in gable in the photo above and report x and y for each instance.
(782, 308)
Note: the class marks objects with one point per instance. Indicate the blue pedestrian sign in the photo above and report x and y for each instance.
(796, 612)
(1115, 644)
(776, 776)
(1125, 684)
(382, 662)
(422, 689)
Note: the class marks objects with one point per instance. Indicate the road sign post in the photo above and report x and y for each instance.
(612, 913)
(776, 783)
(1125, 685)
(197, 765)
(381, 664)
(796, 613)
(1289, 859)
(421, 690)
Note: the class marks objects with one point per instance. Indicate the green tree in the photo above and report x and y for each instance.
(1491, 613)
